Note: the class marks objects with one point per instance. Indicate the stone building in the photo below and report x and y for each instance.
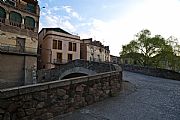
(57, 47)
(94, 51)
(115, 59)
(19, 21)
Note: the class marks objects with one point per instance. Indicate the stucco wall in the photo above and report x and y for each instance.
(47, 100)
(11, 70)
(8, 38)
(46, 40)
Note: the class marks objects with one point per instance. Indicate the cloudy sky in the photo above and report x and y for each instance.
(113, 22)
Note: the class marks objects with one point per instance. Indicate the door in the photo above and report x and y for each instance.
(20, 44)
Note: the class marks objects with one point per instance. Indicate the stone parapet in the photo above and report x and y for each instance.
(46, 100)
(156, 72)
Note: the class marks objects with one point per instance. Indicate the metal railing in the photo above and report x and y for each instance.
(29, 27)
(17, 49)
(17, 24)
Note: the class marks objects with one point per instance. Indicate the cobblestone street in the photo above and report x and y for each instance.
(143, 98)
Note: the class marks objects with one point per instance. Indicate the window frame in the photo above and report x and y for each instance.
(54, 45)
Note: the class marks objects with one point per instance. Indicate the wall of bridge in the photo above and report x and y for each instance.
(76, 66)
(46, 100)
(156, 72)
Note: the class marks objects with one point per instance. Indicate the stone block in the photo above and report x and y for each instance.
(30, 104)
(40, 105)
(61, 92)
(46, 116)
(66, 97)
(89, 99)
(7, 116)
(40, 96)
(27, 97)
(4, 103)
(40, 111)
(12, 108)
(20, 113)
(80, 88)
(30, 111)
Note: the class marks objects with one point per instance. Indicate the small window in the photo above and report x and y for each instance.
(59, 45)
(74, 46)
(70, 57)
(54, 44)
(70, 46)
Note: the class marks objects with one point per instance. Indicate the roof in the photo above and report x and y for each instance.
(57, 30)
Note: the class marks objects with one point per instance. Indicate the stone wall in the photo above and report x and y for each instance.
(47, 100)
(156, 72)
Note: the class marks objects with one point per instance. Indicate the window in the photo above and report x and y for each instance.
(54, 44)
(59, 57)
(70, 46)
(2, 13)
(29, 22)
(59, 45)
(15, 17)
(30, 8)
(70, 57)
(74, 47)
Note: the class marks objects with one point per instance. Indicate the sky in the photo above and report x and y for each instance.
(113, 22)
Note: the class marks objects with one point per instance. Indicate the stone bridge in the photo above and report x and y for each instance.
(76, 68)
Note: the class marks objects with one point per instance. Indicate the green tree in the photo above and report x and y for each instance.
(144, 48)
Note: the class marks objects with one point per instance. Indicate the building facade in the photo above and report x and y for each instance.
(115, 59)
(57, 47)
(19, 21)
(94, 51)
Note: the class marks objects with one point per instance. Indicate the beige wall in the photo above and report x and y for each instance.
(49, 54)
(65, 51)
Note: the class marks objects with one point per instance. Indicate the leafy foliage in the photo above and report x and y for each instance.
(152, 51)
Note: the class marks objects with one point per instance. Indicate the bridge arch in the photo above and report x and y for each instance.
(76, 72)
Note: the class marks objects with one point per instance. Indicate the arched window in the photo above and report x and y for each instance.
(29, 22)
(15, 19)
(2, 13)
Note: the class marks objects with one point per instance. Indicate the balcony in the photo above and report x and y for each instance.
(15, 24)
(7, 48)
(30, 5)
(59, 61)
(29, 27)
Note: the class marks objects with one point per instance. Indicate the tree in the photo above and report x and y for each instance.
(144, 49)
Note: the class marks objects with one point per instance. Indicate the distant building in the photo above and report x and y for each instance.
(19, 21)
(115, 59)
(57, 47)
(94, 51)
